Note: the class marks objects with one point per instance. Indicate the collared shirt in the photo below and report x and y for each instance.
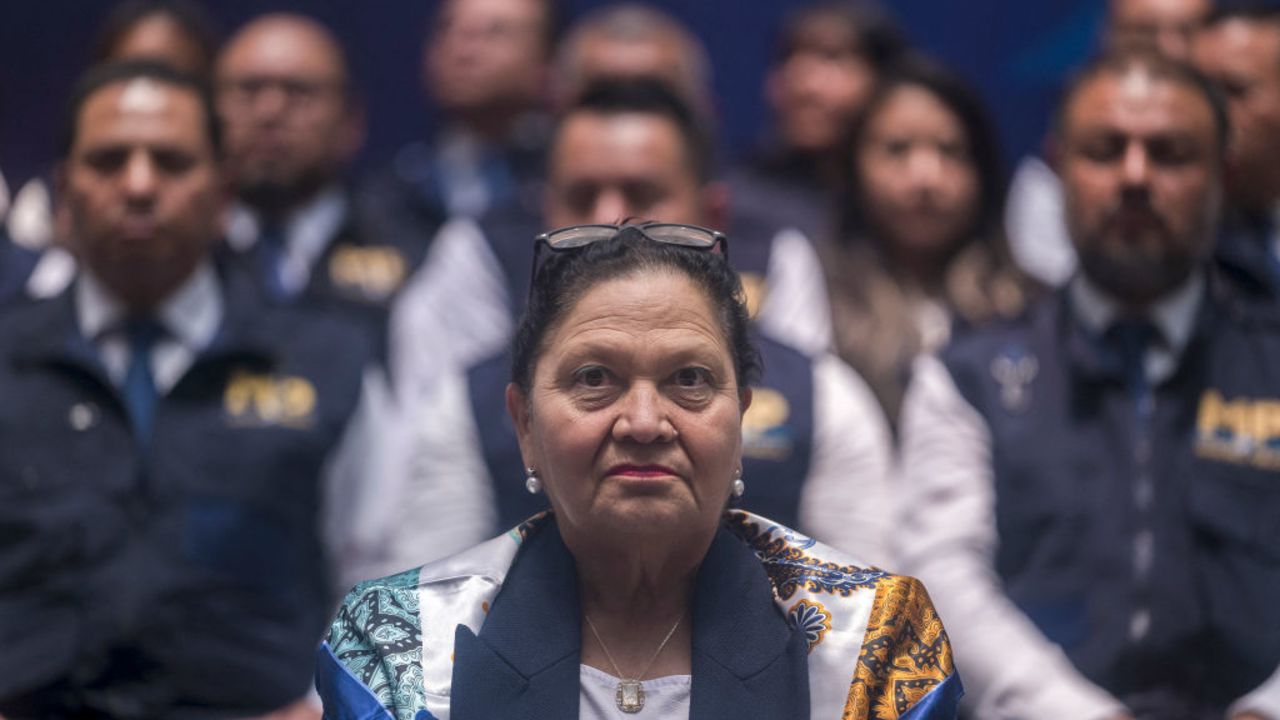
(1174, 317)
(190, 316)
(355, 478)
(307, 234)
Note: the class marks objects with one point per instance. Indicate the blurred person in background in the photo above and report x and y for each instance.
(1086, 489)
(815, 445)
(1037, 236)
(178, 463)
(1240, 48)
(434, 328)
(484, 68)
(293, 125)
(631, 39)
(828, 59)
(179, 33)
(920, 246)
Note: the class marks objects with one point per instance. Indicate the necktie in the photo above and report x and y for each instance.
(139, 382)
(271, 257)
(1130, 339)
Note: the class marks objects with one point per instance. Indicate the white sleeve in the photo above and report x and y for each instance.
(947, 537)
(455, 310)
(447, 502)
(358, 486)
(1038, 238)
(1264, 701)
(795, 309)
(846, 500)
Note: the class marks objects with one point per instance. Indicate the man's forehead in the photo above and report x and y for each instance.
(1243, 34)
(1159, 11)
(488, 10)
(1139, 99)
(618, 132)
(283, 46)
(140, 106)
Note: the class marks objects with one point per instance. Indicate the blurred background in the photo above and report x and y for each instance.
(1016, 53)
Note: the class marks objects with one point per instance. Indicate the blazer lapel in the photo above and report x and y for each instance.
(747, 661)
(524, 663)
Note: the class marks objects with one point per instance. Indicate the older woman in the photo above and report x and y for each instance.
(639, 593)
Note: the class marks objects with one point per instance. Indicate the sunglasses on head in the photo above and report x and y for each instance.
(576, 237)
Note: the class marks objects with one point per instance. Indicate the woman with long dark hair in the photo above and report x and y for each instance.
(920, 246)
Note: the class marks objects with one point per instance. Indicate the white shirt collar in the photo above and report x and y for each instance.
(308, 230)
(191, 315)
(1174, 316)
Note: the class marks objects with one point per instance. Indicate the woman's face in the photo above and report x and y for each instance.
(917, 175)
(633, 419)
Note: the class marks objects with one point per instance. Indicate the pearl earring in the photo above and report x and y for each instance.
(739, 487)
(531, 481)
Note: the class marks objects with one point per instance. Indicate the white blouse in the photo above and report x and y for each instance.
(665, 698)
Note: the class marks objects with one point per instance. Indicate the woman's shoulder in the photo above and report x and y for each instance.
(874, 636)
(394, 635)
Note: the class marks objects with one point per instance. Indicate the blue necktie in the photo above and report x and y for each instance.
(139, 383)
(1130, 339)
(271, 256)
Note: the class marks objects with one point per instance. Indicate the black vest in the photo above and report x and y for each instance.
(188, 579)
(1068, 467)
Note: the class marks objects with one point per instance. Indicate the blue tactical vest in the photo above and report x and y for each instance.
(1194, 629)
(184, 579)
(357, 276)
(777, 436)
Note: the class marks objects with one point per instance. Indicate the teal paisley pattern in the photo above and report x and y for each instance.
(790, 567)
(377, 635)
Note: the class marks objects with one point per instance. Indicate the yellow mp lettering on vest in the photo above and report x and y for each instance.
(1240, 430)
(267, 400)
(374, 272)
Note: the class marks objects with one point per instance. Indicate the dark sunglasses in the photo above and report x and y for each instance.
(576, 237)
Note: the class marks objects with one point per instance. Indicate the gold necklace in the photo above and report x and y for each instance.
(630, 693)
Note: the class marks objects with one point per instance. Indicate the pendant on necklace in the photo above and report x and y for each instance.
(630, 696)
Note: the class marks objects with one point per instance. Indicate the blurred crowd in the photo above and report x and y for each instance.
(239, 380)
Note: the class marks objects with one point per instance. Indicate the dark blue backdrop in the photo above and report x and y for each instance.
(1016, 52)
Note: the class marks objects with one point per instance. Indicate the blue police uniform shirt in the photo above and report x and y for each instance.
(1133, 535)
(183, 577)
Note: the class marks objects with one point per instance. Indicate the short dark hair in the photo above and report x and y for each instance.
(566, 277)
(101, 76)
(194, 21)
(980, 135)
(876, 37)
(1118, 61)
(650, 96)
